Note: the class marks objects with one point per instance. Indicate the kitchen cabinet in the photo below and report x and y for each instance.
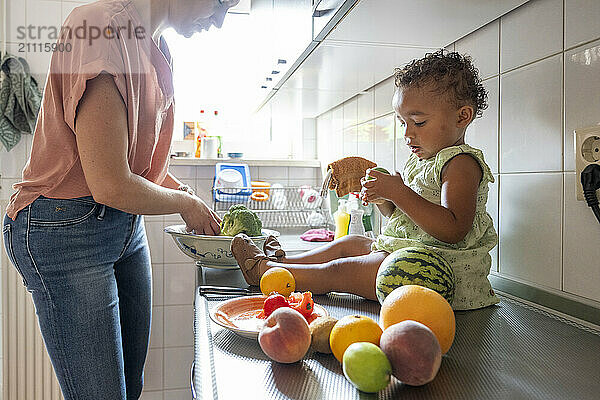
(369, 41)
(284, 31)
(326, 13)
(292, 30)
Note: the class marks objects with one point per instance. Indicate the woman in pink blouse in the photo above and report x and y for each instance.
(99, 160)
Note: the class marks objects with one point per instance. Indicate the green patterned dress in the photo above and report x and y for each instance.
(470, 258)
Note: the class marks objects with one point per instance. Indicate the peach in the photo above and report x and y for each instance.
(285, 336)
(413, 351)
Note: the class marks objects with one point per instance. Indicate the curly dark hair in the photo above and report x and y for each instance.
(450, 73)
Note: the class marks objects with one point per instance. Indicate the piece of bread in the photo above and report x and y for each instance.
(346, 174)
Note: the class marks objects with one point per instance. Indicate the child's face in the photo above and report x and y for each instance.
(431, 123)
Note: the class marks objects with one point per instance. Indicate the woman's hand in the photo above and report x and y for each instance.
(378, 187)
(199, 218)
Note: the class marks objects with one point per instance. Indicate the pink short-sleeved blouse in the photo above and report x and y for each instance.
(105, 36)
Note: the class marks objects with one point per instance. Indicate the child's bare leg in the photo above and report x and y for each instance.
(346, 246)
(354, 274)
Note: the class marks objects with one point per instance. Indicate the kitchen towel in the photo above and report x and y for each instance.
(20, 100)
(317, 235)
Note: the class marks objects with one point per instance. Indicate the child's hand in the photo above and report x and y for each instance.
(377, 187)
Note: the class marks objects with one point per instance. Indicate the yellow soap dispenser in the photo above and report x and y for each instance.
(342, 219)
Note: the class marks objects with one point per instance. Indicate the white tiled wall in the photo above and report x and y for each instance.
(541, 88)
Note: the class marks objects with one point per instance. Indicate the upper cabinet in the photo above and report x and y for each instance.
(292, 29)
(360, 42)
(285, 31)
(326, 14)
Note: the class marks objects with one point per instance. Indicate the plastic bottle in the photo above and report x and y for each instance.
(356, 226)
(342, 220)
(201, 128)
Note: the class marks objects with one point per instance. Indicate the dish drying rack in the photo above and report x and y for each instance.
(277, 207)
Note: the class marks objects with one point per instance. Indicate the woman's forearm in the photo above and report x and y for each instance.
(138, 195)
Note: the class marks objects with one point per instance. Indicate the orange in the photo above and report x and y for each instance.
(351, 329)
(278, 280)
(423, 305)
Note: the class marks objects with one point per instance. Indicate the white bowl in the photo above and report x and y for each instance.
(211, 251)
(230, 181)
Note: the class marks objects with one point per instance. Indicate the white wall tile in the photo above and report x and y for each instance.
(384, 92)
(179, 325)
(581, 254)
(531, 32)
(483, 46)
(337, 118)
(6, 189)
(530, 117)
(204, 190)
(365, 106)
(183, 171)
(530, 227)
(156, 330)
(384, 142)
(179, 394)
(45, 16)
(309, 128)
(350, 141)
(179, 283)
(582, 21)
(155, 233)
(350, 112)
(366, 140)
(582, 99)
(16, 22)
(274, 174)
(158, 284)
(205, 171)
(13, 161)
(177, 364)
(483, 131)
(309, 149)
(253, 173)
(152, 395)
(153, 370)
(302, 172)
(312, 182)
(172, 219)
(172, 254)
(492, 209)
(154, 218)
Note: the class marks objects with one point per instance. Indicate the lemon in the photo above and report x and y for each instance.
(352, 329)
(278, 280)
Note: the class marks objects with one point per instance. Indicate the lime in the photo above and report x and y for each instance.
(379, 169)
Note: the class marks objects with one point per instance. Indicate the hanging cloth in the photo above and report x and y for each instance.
(20, 100)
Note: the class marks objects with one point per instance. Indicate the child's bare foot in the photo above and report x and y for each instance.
(272, 247)
(249, 257)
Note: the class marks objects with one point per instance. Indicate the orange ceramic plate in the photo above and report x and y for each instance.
(239, 315)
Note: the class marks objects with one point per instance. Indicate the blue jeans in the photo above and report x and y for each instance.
(88, 270)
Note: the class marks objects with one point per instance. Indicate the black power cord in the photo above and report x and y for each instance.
(590, 180)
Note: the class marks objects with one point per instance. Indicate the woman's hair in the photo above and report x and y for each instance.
(450, 73)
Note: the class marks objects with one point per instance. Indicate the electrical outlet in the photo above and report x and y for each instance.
(587, 151)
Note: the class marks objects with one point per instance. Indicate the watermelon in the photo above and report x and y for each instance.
(415, 266)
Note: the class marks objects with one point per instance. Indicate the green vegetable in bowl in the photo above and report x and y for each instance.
(240, 219)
